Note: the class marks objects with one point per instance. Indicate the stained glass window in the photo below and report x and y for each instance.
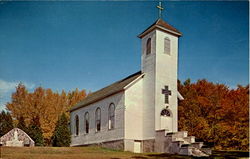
(165, 112)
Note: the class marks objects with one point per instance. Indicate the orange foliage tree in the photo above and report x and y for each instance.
(42, 103)
(215, 114)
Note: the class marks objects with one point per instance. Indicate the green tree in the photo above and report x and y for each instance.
(61, 136)
(35, 132)
(21, 124)
(6, 122)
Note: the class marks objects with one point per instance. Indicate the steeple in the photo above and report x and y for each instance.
(159, 63)
(161, 25)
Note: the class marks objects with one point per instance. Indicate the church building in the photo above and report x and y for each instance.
(139, 113)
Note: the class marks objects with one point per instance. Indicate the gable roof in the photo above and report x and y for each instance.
(161, 25)
(106, 91)
(23, 137)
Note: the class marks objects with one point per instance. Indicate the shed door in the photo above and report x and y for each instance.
(137, 147)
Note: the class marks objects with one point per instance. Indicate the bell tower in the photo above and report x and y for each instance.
(159, 63)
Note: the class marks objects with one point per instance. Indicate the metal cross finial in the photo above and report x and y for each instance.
(160, 9)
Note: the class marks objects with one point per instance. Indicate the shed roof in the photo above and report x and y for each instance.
(22, 136)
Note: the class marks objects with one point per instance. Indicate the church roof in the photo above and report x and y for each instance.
(106, 91)
(161, 25)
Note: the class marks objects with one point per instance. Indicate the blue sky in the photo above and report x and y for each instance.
(88, 45)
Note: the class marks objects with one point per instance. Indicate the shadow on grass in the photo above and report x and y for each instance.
(215, 155)
(139, 157)
(229, 154)
(168, 156)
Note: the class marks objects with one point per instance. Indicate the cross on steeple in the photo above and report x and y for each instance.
(160, 9)
(166, 92)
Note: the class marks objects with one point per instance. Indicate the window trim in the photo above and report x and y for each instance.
(85, 122)
(77, 124)
(96, 119)
(149, 46)
(109, 116)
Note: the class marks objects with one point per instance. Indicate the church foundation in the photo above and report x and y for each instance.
(116, 145)
(148, 145)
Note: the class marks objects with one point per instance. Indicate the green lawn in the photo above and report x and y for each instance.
(75, 153)
(96, 153)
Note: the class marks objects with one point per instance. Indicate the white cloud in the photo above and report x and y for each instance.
(6, 88)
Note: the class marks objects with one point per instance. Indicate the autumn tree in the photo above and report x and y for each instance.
(19, 105)
(61, 136)
(45, 104)
(6, 123)
(215, 114)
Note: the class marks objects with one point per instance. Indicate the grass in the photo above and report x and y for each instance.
(96, 153)
(75, 153)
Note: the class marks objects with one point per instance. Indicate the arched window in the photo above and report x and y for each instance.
(148, 51)
(165, 112)
(167, 46)
(86, 121)
(77, 125)
(111, 115)
(98, 119)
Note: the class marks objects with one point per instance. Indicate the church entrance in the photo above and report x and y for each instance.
(166, 120)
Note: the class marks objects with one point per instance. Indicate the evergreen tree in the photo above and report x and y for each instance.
(35, 132)
(61, 136)
(21, 124)
(6, 123)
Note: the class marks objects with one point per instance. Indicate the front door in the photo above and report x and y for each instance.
(166, 120)
(166, 123)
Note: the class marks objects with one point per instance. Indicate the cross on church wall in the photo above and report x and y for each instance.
(166, 92)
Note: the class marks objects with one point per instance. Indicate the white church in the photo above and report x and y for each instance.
(139, 113)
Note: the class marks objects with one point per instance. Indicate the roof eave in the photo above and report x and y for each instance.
(144, 33)
(133, 82)
(83, 105)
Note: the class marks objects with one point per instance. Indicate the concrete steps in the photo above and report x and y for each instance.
(197, 145)
(180, 143)
(190, 150)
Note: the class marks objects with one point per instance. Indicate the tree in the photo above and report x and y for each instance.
(215, 114)
(21, 124)
(61, 136)
(6, 123)
(35, 132)
(42, 103)
(19, 102)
